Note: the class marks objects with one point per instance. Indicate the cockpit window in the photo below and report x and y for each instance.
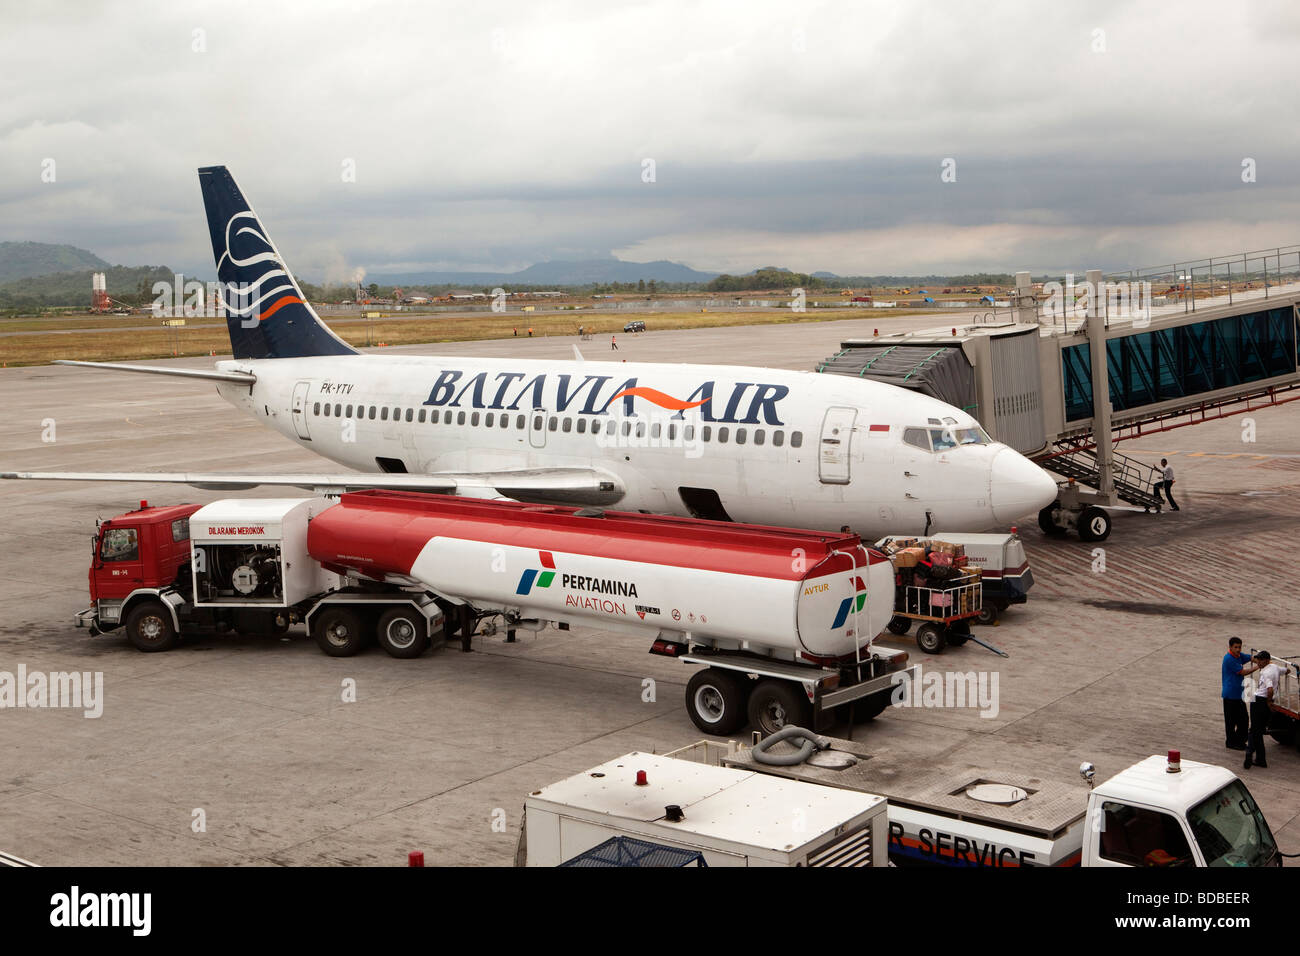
(918, 437)
(941, 439)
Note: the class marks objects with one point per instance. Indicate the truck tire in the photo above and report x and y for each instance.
(149, 627)
(1094, 524)
(899, 625)
(988, 614)
(869, 708)
(402, 632)
(715, 701)
(930, 638)
(774, 704)
(1047, 521)
(338, 631)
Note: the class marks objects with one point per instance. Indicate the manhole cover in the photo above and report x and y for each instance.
(996, 793)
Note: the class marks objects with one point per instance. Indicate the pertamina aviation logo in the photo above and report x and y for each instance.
(542, 577)
(847, 605)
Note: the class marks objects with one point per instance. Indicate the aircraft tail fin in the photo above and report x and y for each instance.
(266, 313)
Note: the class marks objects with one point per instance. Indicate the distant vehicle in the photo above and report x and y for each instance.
(637, 326)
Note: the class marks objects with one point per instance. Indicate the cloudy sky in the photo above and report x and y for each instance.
(491, 135)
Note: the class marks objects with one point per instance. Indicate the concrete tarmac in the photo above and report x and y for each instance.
(1115, 657)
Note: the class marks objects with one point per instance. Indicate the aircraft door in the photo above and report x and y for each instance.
(835, 447)
(537, 428)
(299, 407)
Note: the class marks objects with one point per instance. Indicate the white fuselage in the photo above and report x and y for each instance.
(776, 447)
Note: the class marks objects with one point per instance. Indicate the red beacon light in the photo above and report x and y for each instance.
(1175, 762)
(641, 780)
(144, 505)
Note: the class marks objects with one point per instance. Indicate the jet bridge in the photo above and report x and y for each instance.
(1185, 355)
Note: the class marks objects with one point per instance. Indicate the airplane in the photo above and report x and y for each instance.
(755, 445)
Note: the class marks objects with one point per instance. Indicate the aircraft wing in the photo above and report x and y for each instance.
(588, 486)
(213, 375)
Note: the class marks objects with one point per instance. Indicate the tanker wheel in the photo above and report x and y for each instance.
(988, 614)
(715, 701)
(930, 638)
(149, 627)
(774, 704)
(338, 632)
(899, 624)
(872, 706)
(402, 633)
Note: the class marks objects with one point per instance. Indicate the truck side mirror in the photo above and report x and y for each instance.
(1087, 771)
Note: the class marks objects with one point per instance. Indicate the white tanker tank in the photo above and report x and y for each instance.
(784, 619)
(794, 595)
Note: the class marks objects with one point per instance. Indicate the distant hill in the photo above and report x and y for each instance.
(21, 260)
(557, 273)
(133, 285)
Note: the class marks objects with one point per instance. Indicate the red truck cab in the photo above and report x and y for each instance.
(136, 554)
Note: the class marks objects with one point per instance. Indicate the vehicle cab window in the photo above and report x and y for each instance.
(181, 529)
(120, 544)
(1136, 836)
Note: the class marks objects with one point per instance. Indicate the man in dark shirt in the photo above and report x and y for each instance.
(1235, 723)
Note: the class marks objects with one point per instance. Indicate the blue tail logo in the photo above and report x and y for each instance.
(266, 313)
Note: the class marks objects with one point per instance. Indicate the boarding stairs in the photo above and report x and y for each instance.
(1134, 480)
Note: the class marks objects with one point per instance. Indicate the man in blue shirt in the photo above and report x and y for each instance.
(1235, 667)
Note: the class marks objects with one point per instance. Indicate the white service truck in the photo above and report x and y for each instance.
(627, 808)
(1160, 812)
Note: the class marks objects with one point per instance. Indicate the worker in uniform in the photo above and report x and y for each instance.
(1265, 687)
(1167, 484)
(613, 345)
(1236, 726)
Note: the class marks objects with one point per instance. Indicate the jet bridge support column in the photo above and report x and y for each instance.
(1100, 387)
(1075, 509)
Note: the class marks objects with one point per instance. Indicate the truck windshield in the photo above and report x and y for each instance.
(1231, 830)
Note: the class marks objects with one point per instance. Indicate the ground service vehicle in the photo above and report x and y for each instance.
(675, 804)
(1005, 577)
(1160, 812)
(242, 565)
(784, 619)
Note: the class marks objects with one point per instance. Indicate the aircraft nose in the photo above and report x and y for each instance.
(1017, 486)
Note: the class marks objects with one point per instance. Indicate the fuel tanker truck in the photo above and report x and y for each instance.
(782, 620)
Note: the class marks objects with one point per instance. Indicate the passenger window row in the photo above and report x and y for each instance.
(721, 434)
